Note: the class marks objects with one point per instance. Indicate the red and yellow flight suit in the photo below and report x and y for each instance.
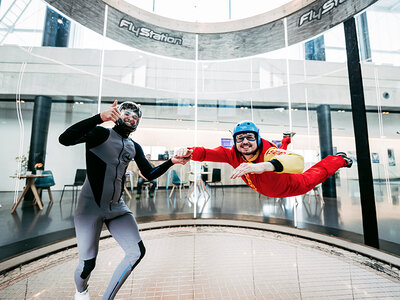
(288, 181)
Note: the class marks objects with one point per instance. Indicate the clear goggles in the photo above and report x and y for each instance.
(130, 113)
(251, 137)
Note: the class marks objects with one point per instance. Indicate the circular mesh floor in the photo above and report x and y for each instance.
(214, 263)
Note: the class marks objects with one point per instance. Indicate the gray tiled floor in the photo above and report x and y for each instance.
(213, 263)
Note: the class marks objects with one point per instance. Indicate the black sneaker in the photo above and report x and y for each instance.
(138, 197)
(289, 133)
(349, 161)
(151, 195)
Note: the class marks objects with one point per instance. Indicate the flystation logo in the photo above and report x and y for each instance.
(149, 33)
(312, 14)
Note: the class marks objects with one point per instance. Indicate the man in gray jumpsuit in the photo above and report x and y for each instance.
(108, 153)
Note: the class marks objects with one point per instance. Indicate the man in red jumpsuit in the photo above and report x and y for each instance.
(271, 171)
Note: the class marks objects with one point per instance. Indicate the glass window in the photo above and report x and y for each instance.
(207, 10)
(194, 11)
(22, 24)
(381, 81)
(244, 9)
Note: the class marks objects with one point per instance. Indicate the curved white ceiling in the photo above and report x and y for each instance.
(289, 24)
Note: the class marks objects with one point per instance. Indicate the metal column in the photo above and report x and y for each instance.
(40, 128)
(365, 178)
(315, 49)
(56, 30)
(325, 144)
(363, 37)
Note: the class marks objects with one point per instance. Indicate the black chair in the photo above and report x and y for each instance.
(204, 177)
(80, 176)
(45, 183)
(216, 178)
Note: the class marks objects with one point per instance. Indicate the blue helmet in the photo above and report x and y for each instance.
(247, 126)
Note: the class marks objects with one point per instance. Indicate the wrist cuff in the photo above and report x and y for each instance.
(98, 119)
(277, 164)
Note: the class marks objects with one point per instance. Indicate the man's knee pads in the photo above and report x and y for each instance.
(135, 259)
(88, 267)
(142, 250)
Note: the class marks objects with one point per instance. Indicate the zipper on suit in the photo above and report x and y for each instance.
(116, 170)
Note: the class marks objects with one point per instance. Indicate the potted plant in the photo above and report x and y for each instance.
(22, 162)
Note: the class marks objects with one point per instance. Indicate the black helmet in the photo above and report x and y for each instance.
(134, 109)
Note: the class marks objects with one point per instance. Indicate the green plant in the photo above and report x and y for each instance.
(23, 160)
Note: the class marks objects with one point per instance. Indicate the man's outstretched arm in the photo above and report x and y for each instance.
(219, 154)
(150, 172)
(257, 168)
(276, 160)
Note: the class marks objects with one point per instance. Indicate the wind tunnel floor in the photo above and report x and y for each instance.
(212, 262)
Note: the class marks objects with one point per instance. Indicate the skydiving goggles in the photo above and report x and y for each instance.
(251, 137)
